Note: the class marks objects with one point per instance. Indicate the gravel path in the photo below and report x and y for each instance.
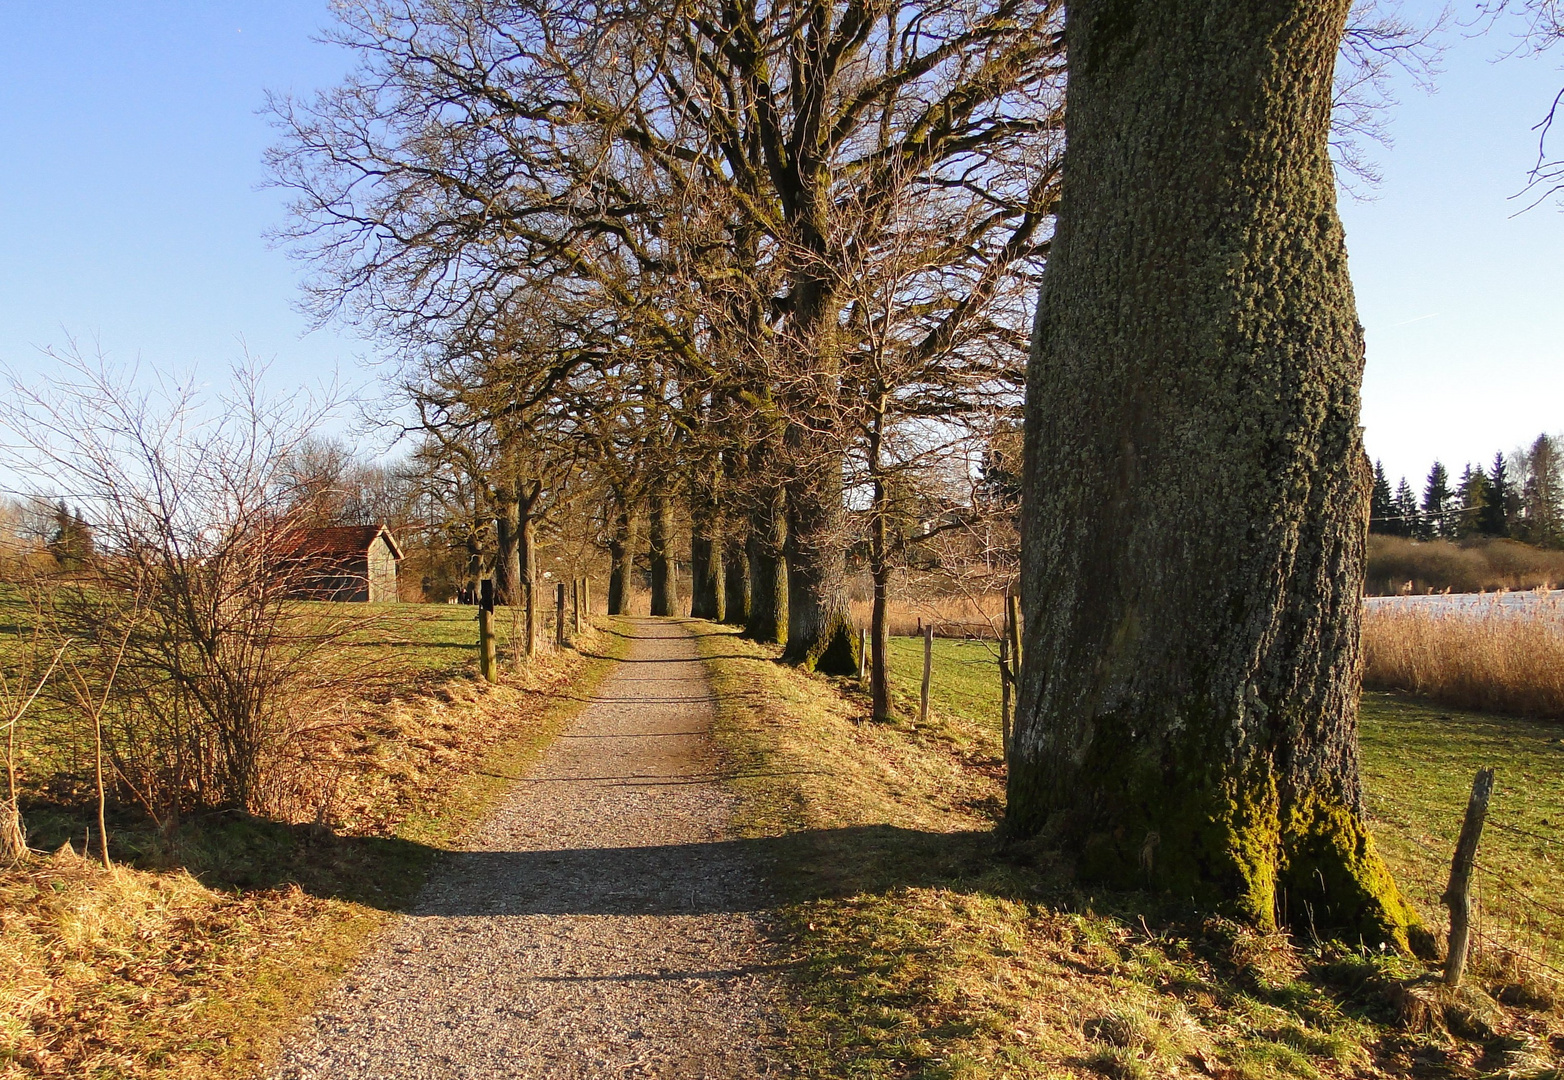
(598, 926)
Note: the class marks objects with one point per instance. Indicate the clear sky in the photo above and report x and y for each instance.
(132, 216)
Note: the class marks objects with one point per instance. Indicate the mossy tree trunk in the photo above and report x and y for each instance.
(529, 500)
(820, 633)
(1196, 493)
(621, 556)
(767, 570)
(508, 586)
(735, 581)
(660, 542)
(706, 591)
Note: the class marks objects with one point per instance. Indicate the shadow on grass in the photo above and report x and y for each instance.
(233, 851)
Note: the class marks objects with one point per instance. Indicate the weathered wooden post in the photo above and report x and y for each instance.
(486, 660)
(586, 599)
(1004, 687)
(863, 657)
(928, 667)
(1458, 896)
(575, 604)
(559, 615)
(1013, 628)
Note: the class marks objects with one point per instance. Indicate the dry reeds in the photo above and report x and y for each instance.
(952, 616)
(1487, 659)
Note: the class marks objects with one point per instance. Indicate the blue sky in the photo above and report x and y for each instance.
(133, 217)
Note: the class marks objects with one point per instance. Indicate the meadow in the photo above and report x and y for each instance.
(919, 947)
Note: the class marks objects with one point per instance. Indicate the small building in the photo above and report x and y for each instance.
(345, 563)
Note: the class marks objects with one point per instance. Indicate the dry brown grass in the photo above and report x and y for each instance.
(953, 616)
(193, 962)
(1397, 565)
(1489, 660)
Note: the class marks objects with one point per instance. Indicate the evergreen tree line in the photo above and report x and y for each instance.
(1519, 496)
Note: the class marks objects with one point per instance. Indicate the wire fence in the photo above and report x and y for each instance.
(1517, 934)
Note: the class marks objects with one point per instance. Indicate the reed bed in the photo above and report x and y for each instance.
(952, 616)
(1485, 658)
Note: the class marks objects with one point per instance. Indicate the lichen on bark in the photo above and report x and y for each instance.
(1195, 500)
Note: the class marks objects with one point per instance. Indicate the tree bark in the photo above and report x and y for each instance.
(1196, 494)
(661, 544)
(507, 559)
(621, 555)
(735, 580)
(527, 559)
(820, 634)
(767, 571)
(706, 591)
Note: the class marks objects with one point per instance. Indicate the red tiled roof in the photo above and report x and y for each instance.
(336, 540)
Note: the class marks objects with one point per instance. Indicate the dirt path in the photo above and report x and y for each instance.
(597, 927)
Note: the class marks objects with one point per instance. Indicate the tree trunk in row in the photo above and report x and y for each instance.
(661, 553)
(767, 572)
(527, 559)
(735, 580)
(621, 556)
(1196, 487)
(706, 591)
(508, 587)
(820, 634)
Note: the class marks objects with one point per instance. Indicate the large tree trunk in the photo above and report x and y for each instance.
(735, 581)
(767, 571)
(661, 543)
(1196, 490)
(706, 591)
(820, 632)
(527, 560)
(508, 586)
(621, 560)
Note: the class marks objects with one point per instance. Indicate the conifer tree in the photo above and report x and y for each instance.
(1406, 510)
(1436, 500)
(1494, 519)
(1382, 503)
(1473, 496)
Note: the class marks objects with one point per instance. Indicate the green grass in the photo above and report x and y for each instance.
(1418, 762)
(919, 948)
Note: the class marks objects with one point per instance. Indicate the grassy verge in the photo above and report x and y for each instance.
(920, 950)
(193, 955)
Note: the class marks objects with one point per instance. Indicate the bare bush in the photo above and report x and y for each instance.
(183, 623)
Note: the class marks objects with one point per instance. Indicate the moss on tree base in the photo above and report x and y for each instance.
(1302, 861)
(833, 651)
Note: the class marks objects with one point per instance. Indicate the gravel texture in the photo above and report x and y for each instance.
(601, 923)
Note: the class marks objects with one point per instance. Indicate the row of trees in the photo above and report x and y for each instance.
(757, 268)
(1519, 496)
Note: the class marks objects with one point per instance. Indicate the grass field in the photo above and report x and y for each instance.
(1418, 762)
(191, 956)
(918, 949)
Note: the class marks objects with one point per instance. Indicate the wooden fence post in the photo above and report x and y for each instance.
(1004, 689)
(928, 667)
(575, 603)
(559, 615)
(586, 598)
(1458, 896)
(863, 656)
(486, 660)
